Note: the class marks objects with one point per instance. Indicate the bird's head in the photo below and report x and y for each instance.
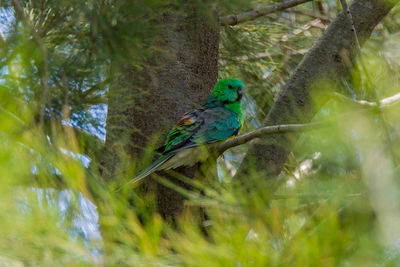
(228, 91)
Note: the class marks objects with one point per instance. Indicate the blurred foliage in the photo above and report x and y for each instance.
(338, 202)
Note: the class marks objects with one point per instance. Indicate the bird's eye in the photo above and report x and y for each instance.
(230, 86)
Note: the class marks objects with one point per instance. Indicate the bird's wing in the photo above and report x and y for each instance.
(219, 125)
(202, 126)
(182, 132)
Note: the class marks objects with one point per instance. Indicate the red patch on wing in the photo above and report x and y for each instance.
(185, 120)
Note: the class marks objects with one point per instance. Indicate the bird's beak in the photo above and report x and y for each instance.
(240, 93)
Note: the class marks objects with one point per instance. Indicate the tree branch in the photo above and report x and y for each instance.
(275, 129)
(288, 128)
(256, 13)
(384, 103)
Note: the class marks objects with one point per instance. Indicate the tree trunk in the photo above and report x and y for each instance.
(323, 64)
(148, 100)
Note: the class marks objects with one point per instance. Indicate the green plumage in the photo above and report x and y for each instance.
(218, 119)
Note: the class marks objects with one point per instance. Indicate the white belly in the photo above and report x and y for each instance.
(187, 157)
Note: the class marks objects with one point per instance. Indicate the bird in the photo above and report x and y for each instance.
(219, 118)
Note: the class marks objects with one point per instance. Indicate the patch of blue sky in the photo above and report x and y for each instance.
(85, 218)
(99, 113)
(3, 72)
(34, 170)
(7, 19)
(96, 126)
(85, 160)
(100, 90)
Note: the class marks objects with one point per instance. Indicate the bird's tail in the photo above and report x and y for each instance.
(149, 170)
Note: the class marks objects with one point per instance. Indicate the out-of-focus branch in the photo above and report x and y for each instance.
(256, 13)
(384, 103)
(275, 129)
(12, 115)
(312, 14)
(389, 101)
(287, 128)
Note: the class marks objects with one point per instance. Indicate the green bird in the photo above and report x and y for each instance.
(218, 119)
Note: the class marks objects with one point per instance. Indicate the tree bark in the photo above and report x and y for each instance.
(324, 64)
(148, 100)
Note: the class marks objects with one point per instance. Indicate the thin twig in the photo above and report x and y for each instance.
(312, 14)
(256, 13)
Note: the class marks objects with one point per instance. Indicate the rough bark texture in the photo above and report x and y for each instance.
(323, 63)
(148, 100)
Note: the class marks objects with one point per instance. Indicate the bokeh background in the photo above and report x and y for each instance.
(335, 203)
